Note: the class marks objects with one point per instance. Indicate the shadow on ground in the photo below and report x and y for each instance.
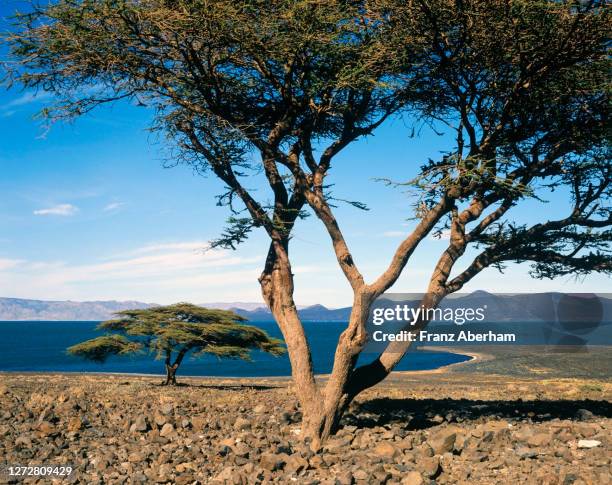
(417, 414)
(220, 387)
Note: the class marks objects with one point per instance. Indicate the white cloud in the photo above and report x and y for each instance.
(162, 273)
(58, 210)
(28, 98)
(113, 206)
(9, 263)
(155, 261)
(181, 246)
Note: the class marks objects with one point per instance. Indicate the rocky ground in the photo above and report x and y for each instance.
(428, 427)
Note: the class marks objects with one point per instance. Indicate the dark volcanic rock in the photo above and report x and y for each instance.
(129, 430)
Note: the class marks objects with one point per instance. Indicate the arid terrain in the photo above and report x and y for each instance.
(510, 416)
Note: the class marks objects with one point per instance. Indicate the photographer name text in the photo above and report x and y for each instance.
(425, 336)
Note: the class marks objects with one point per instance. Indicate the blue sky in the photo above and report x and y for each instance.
(89, 212)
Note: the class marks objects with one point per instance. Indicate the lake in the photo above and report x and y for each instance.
(41, 347)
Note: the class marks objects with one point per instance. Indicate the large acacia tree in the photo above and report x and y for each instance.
(280, 88)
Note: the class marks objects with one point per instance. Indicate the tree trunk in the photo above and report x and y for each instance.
(323, 409)
(172, 368)
(324, 421)
(336, 396)
(277, 290)
(345, 381)
(170, 375)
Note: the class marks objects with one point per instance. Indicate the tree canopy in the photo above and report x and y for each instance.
(179, 328)
(281, 88)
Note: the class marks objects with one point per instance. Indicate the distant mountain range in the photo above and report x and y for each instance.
(523, 307)
(17, 309)
(315, 313)
(499, 308)
(242, 305)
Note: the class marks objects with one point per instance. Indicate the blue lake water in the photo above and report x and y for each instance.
(41, 346)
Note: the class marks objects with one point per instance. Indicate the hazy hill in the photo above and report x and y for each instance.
(21, 309)
(500, 308)
(242, 305)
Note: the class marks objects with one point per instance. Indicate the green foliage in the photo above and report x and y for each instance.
(182, 328)
(100, 348)
(237, 231)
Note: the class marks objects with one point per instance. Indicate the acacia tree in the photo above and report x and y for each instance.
(174, 331)
(243, 87)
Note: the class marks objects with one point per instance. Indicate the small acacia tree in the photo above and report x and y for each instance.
(280, 88)
(176, 330)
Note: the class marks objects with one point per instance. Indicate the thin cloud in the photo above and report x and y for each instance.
(28, 98)
(113, 206)
(9, 263)
(164, 272)
(393, 233)
(58, 210)
(193, 246)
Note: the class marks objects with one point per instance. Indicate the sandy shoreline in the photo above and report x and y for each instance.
(474, 357)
